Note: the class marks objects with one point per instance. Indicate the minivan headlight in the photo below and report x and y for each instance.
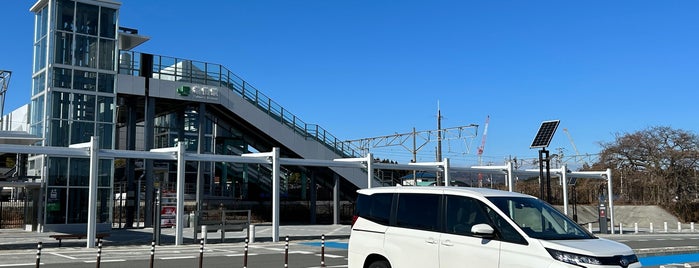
(572, 258)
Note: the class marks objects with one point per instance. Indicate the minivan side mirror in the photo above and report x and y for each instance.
(483, 230)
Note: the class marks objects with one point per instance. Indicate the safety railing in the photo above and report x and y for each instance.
(176, 69)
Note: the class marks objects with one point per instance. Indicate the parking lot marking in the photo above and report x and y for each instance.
(19, 264)
(64, 256)
(177, 258)
(93, 261)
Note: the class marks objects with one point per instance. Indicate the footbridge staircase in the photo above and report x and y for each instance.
(193, 81)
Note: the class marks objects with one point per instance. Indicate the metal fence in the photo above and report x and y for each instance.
(12, 214)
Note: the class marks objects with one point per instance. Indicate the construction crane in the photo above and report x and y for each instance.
(577, 154)
(482, 146)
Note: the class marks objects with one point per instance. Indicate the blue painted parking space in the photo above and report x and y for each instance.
(667, 259)
(330, 244)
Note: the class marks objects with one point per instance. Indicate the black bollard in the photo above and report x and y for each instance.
(152, 253)
(286, 253)
(201, 253)
(322, 250)
(245, 256)
(99, 252)
(38, 254)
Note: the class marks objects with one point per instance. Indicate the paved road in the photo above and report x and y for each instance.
(132, 248)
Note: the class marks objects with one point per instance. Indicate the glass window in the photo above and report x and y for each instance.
(107, 54)
(59, 105)
(105, 109)
(62, 77)
(83, 107)
(105, 83)
(462, 213)
(106, 135)
(376, 207)
(418, 211)
(64, 46)
(103, 204)
(538, 219)
(81, 131)
(86, 51)
(506, 231)
(59, 133)
(105, 178)
(38, 83)
(40, 55)
(79, 172)
(55, 205)
(58, 171)
(64, 14)
(37, 110)
(85, 80)
(77, 205)
(86, 19)
(108, 22)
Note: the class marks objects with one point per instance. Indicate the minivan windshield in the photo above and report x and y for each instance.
(538, 219)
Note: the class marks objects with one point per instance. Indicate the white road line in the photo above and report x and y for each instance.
(300, 252)
(101, 261)
(19, 264)
(331, 256)
(335, 231)
(64, 256)
(177, 258)
(241, 255)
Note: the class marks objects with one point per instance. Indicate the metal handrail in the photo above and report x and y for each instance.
(176, 69)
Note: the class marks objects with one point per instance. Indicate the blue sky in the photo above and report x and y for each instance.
(372, 68)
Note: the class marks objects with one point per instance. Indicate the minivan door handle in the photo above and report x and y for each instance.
(447, 243)
(431, 240)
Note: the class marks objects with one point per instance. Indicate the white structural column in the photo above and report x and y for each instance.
(181, 163)
(276, 184)
(510, 177)
(445, 167)
(609, 194)
(93, 154)
(369, 169)
(564, 182)
(92, 194)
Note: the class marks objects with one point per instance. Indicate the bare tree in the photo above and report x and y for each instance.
(658, 165)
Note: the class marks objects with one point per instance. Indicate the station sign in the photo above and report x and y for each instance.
(198, 92)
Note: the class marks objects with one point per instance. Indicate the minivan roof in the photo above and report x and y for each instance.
(484, 192)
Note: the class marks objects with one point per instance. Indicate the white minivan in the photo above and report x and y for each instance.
(449, 227)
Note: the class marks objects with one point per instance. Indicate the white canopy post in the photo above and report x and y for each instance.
(609, 194)
(92, 194)
(510, 177)
(369, 169)
(276, 184)
(564, 182)
(179, 221)
(93, 148)
(445, 166)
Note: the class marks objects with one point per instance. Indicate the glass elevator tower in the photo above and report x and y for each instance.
(73, 99)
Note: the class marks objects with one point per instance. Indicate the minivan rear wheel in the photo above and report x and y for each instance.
(380, 264)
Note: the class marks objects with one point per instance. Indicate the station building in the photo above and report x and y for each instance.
(88, 81)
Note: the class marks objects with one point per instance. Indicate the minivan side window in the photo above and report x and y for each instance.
(418, 211)
(376, 207)
(462, 213)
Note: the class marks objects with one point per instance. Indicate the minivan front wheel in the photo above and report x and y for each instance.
(380, 264)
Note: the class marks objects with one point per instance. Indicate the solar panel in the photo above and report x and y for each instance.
(545, 134)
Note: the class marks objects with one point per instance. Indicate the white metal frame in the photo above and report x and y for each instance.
(91, 150)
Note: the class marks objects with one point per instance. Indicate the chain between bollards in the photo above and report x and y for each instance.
(38, 254)
(99, 252)
(245, 256)
(152, 253)
(201, 253)
(286, 253)
(322, 250)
